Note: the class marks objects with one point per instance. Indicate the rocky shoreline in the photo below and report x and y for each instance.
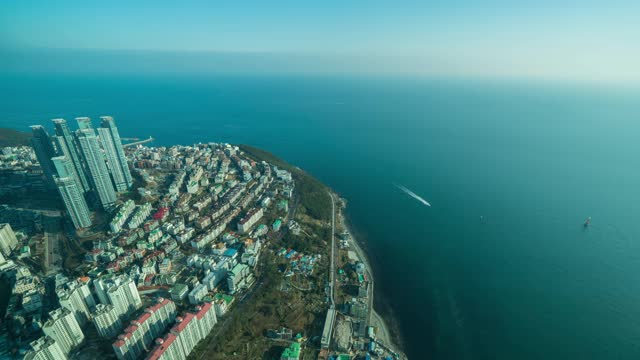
(383, 330)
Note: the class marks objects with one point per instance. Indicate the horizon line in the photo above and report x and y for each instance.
(299, 63)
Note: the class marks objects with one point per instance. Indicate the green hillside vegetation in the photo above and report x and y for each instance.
(314, 198)
(11, 137)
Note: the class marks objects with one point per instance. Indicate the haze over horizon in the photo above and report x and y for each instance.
(592, 41)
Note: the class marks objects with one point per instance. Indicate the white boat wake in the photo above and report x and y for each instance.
(413, 195)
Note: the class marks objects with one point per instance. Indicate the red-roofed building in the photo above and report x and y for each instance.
(207, 319)
(167, 348)
(138, 337)
(188, 331)
(121, 349)
(178, 343)
(161, 214)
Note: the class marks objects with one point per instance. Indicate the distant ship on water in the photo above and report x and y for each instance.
(413, 195)
(587, 222)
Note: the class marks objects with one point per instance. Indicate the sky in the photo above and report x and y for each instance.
(577, 40)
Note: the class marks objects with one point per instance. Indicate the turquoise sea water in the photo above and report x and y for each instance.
(500, 267)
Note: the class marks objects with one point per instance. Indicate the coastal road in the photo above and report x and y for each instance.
(332, 268)
(333, 246)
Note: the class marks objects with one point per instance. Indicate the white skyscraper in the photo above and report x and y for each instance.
(102, 285)
(43, 147)
(82, 284)
(124, 296)
(95, 161)
(68, 146)
(188, 331)
(78, 299)
(206, 316)
(8, 240)
(107, 321)
(45, 348)
(63, 327)
(63, 150)
(71, 192)
(114, 152)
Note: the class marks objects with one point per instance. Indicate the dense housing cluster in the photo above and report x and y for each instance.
(189, 236)
(158, 244)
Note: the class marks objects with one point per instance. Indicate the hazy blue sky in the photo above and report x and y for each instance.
(584, 40)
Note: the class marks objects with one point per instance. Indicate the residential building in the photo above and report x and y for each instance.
(121, 216)
(43, 147)
(250, 219)
(8, 240)
(210, 280)
(71, 192)
(45, 348)
(125, 297)
(138, 337)
(192, 187)
(32, 301)
(189, 330)
(236, 277)
(77, 298)
(167, 348)
(94, 159)
(198, 293)
(222, 303)
(61, 146)
(107, 320)
(63, 327)
(68, 146)
(116, 160)
(207, 319)
(179, 292)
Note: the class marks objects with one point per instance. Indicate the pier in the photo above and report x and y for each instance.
(150, 139)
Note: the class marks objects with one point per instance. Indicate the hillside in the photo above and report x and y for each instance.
(11, 137)
(313, 194)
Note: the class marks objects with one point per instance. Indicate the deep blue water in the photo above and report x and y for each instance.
(500, 266)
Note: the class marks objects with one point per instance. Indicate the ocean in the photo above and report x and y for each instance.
(500, 266)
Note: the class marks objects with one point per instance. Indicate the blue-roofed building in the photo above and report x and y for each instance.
(231, 253)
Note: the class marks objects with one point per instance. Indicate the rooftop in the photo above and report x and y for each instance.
(203, 310)
(164, 344)
(293, 351)
(230, 252)
(227, 298)
(186, 319)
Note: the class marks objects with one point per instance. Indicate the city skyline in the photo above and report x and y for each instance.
(319, 180)
(81, 162)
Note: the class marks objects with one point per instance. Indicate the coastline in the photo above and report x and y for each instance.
(383, 330)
